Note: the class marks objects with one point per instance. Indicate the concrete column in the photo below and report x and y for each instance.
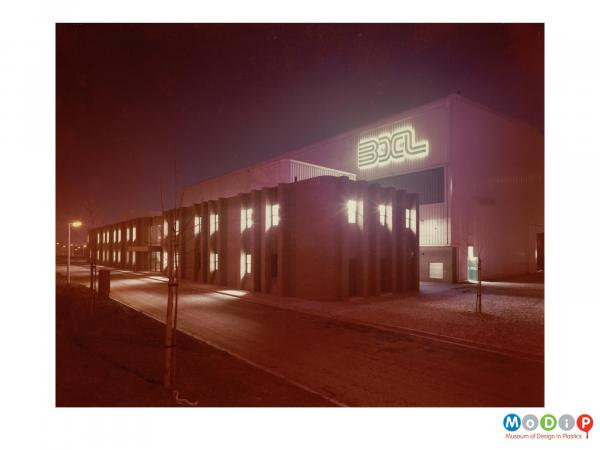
(281, 288)
(376, 230)
(401, 234)
(222, 242)
(393, 200)
(204, 243)
(364, 237)
(265, 273)
(255, 240)
(415, 280)
(344, 194)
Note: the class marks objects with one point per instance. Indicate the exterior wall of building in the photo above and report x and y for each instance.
(259, 176)
(497, 175)
(493, 200)
(124, 245)
(308, 249)
(493, 180)
(431, 123)
(298, 241)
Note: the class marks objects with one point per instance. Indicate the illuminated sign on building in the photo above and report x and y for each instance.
(389, 147)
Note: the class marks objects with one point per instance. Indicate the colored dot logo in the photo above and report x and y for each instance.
(566, 422)
(530, 422)
(585, 423)
(548, 422)
(512, 422)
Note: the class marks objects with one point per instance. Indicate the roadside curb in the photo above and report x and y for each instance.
(404, 330)
(466, 343)
(268, 370)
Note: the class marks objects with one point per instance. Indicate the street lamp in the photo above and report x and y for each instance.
(74, 224)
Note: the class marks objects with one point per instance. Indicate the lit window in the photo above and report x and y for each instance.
(385, 215)
(127, 258)
(246, 216)
(351, 209)
(119, 235)
(470, 252)
(165, 259)
(214, 223)
(382, 214)
(197, 224)
(133, 234)
(176, 227)
(114, 235)
(114, 258)
(411, 219)
(268, 217)
(133, 258)
(119, 257)
(165, 228)
(245, 264)
(214, 262)
(271, 216)
(127, 234)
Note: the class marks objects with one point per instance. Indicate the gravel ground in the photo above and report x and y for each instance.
(512, 318)
(353, 364)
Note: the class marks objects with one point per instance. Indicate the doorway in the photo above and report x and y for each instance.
(155, 261)
(472, 262)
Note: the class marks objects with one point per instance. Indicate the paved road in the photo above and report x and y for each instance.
(354, 365)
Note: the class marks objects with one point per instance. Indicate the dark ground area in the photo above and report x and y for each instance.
(110, 355)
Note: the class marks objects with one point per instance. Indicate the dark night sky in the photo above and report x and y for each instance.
(133, 99)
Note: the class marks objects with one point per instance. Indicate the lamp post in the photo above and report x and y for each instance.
(74, 224)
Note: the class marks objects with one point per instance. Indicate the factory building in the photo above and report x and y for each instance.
(323, 238)
(479, 176)
(467, 182)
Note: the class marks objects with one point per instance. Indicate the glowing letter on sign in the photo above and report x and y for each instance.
(390, 147)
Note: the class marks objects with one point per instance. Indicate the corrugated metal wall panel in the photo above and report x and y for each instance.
(300, 170)
(433, 225)
(429, 184)
(341, 152)
(257, 177)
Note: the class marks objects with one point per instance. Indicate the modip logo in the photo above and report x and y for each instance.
(585, 423)
(512, 422)
(547, 427)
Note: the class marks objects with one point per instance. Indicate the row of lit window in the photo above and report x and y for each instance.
(105, 235)
(246, 219)
(272, 219)
(104, 256)
(245, 263)
(354, 211)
